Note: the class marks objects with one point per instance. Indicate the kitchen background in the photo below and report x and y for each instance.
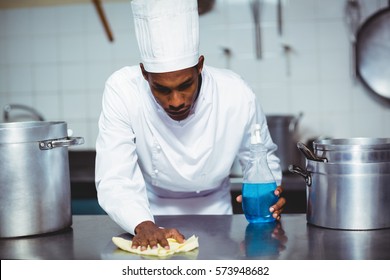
(56, 58)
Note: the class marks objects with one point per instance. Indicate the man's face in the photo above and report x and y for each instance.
(175, 91)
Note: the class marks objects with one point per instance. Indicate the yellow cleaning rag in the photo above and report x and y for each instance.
(174, 247)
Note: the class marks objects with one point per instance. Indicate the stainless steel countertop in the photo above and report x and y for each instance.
(220, 237)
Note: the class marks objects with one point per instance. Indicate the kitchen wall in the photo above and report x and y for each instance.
(56, 59)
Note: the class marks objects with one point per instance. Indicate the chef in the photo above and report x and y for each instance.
(171, 128)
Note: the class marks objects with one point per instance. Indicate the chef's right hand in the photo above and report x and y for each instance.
(148, 233)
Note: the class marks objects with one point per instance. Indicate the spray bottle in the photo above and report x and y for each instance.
(258, 183)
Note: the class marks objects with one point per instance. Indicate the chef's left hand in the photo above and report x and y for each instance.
(275, 209)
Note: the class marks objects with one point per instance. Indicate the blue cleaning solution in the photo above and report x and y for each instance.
(257, 199)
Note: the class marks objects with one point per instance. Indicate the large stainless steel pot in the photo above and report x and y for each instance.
(283, 130)
(347, 195)
(350, 196)
(34, 178)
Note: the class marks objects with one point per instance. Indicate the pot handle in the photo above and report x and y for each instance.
(297, 170)
(309, 154)
(294, 123)
(63, 142)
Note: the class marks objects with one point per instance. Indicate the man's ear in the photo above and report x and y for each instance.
(200, 64)
(144, 72)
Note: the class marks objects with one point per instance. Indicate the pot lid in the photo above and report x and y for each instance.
(373, 53)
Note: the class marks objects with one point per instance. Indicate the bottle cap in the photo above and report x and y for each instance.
(255, 134)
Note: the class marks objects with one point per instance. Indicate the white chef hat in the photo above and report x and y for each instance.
(167, 33)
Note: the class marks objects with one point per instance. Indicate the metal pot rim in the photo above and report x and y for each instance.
(27, 124)
(353, 144)
(22, 132)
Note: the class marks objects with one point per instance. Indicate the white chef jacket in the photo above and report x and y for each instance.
(149, 164)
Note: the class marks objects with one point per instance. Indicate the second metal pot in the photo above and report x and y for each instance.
(34, 178)
(283, 130)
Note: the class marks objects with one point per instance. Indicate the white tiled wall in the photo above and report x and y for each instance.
(56, 59)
